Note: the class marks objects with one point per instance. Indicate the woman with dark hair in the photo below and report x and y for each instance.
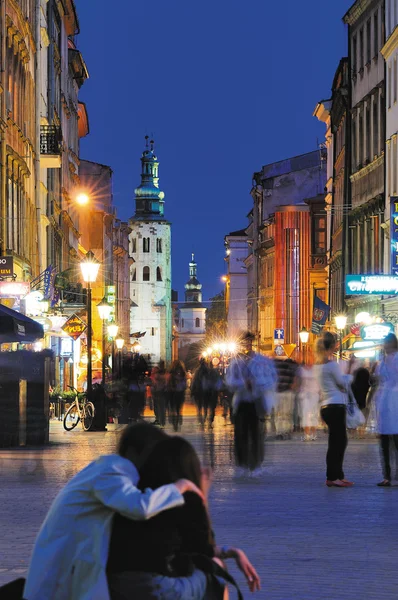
(387, 404)
(176, 385)
(333, 395)
(160, 554)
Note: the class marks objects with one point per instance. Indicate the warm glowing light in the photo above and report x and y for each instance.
(204, 355)
(341, 322)
(89, 267)
(216, 347)
(223, 347)
(113, 330)
(232, 347)
(363, 317)
(136, 347)
(209, 350)
(38, 346)
(224, 278)
(104, 309)
(82, 199)
(304, 335)
(119, 343)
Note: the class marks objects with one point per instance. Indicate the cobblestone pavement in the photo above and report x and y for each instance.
(306, 540)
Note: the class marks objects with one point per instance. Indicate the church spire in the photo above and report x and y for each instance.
(193, 288)
(149, 199)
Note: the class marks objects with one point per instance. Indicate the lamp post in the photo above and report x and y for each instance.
(304, 335)
(119, 341)
(113, 331)
(104, 310)
(341, 322)
(89, 267)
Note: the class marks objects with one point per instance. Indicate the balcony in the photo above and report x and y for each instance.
(50, 146)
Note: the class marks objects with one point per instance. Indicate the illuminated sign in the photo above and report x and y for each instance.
(394, 234)
(110, 294)
(376, 332)
(8, 289)
(74, 327)
(6, 266)
(371, 284)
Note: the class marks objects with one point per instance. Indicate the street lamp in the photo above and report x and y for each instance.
(341, 322)
(113, 330)
(136, 347)
(104, 310)
(304, 335)
(82, 199)
(89, 267)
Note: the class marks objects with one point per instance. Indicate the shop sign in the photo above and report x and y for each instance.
(6, 266)
(74, 327)
(66, 346)
(110, 294)
(376, 332)
(8, 289)
(371, 285)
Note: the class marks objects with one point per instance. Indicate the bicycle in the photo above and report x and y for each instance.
(79, 410)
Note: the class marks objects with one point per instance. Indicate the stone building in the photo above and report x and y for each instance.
(287, 240)
(191, 314)
(366, 241)
(236, 248)
(150, 272)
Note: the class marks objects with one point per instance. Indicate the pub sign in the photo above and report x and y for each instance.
(74, 327)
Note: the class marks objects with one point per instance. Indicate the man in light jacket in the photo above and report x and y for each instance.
(71, 550)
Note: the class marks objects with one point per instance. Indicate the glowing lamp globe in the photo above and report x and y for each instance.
(119, 343)
(341, 322)
(82, 199)
(113, 330)
(104, 309)
(89, 267)
(304, 335)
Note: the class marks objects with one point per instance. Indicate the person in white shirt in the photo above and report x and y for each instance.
(71, 550)
(333, 385)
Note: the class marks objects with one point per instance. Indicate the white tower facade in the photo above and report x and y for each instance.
(236, 288)
(150, 271)
(192, 314)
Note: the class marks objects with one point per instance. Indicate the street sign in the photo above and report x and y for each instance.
(279, 336)
(74, 327)
(279, 351)
(6, 266)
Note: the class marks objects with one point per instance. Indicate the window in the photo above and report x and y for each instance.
(134, 275)
(389, 82)
(354, 144)
(153, 330)
(360, 141)
(146, 274)
(146, 243)
(395, 79)
(368, 41)
(375, 127)
(159, 245)
(319, 239)
(158, 274)
(133, 246)
(354, 55)
(361, 50)
(376, 35)
(368, 134)
(182, 323)
(197, 322)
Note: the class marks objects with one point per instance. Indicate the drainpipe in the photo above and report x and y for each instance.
(3, 157)
(37, 133)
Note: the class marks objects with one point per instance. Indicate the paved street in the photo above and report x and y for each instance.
(306, 540)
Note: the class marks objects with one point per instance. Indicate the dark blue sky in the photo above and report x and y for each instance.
(224, 86)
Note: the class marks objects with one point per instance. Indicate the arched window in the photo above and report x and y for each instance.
(158, 274)
(146, 244)
(197, 322)
(158, 245)
(146, 274)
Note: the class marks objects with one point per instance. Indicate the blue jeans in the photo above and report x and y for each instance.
(150, 586)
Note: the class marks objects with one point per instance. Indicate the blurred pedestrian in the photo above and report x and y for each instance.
(360, 387)
(176, 385)
(199, 383)
(308, 396)
(213, 385)
(386, 401)
(333, 385)
(252, 378)
(158, 380)
(285, 398)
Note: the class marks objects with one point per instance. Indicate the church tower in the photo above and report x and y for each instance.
(150, 272)
(192, 317)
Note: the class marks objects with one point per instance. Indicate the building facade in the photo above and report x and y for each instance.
(150, 271)
(191, 314)
(236, 286)
(287, 240)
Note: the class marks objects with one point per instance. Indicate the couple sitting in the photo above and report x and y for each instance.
(105, 538)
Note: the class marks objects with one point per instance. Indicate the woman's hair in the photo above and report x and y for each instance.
(139, 438)
(391, 339)
(324, 345)
(171, 459)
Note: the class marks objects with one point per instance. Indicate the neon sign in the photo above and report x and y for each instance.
(371, 284)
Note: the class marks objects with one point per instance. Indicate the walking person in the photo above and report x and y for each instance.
(252, 378)
(198, 386)
(333, 398)
(285, 397)
(158, 379)
(386, 402)
(176, 384)
(308, 402)
(213, 385)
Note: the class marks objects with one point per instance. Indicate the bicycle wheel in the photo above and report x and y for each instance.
(71, 418)
(88, 416)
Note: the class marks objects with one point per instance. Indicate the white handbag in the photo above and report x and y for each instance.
(355, 417)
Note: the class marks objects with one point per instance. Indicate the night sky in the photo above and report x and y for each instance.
(223, 86)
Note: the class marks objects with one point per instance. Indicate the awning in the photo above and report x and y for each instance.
(16, 327)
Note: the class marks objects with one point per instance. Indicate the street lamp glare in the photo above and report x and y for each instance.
(113, 330)
(304, 335)
(209, 350)
(89, 267)
(204, 354)
(216, 347)
(223, 347)
(104, 309)
(119, 343)
(224, 278)
(82, 199)
(136, 347)
(341, 322)
(232, 347)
